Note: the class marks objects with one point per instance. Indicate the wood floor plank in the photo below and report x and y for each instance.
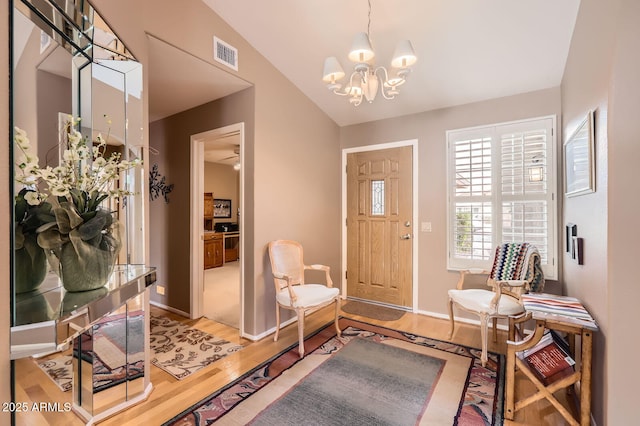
(171, 396)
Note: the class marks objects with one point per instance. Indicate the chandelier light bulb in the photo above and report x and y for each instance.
(332, 70)
(404, 56)
(361, 50)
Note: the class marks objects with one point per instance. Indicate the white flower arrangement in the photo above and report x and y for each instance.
(59, 211)
(83, 168)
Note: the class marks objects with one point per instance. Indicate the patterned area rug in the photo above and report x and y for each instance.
(369, 375)
(181, 350)
(114, 357)
(60, 370)
(102, 349)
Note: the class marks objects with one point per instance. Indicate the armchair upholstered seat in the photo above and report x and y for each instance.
(516, 270)
(292, 292)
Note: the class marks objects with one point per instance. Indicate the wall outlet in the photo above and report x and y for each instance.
(425, 226)
(160, 290)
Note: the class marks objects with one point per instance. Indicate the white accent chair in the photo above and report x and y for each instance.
(292, 292)
(516, 270)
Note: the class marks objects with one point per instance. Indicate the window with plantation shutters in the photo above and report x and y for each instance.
(501, 185)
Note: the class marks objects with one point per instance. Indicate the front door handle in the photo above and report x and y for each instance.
(405, 237)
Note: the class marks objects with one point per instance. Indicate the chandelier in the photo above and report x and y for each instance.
(366, 78)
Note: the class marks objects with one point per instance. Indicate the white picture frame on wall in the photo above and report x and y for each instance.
(579, 166)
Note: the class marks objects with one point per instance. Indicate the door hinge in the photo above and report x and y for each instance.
(346, 222)
(346, 275)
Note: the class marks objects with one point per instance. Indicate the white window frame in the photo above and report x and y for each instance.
(494, 131)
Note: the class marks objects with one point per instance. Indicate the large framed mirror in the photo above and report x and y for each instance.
(68, 66)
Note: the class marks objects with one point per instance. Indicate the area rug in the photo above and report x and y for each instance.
(112, 352)
(181, 350)
(369, 375)
(60, 370)
(104, 349)
(371, 310)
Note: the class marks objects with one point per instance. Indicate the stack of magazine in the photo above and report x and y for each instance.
(549, 359)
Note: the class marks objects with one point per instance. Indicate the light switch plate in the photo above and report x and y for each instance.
(425, 226)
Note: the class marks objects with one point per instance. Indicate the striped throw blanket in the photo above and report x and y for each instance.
(518, 261)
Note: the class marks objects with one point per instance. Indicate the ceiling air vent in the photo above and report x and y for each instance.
(225, 53)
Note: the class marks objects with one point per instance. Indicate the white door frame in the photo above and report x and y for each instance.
(414, 197)
(197, 217)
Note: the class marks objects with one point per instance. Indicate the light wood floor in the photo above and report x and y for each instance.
(170, 396)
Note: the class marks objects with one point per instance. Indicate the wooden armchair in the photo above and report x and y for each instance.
(516, 270)
(292, 292)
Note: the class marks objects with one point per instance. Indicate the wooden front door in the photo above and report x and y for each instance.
(379, 225)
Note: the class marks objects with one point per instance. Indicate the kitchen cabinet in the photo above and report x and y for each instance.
(208, 211)
(213, 250)
(208, 205)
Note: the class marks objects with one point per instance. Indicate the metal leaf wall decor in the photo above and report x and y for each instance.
(157, 185)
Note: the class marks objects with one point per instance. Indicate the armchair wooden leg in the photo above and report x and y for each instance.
(300, 332)
(495, 330)
(338, 333)
(484, 329)
(453, 323)
(275, 336)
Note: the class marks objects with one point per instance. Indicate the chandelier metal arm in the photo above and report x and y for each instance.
(384, 87)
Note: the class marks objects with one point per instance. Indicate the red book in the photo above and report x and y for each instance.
(549, 360)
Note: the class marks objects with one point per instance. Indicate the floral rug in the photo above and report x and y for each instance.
(380, 382)
(181, 350)
(111, 352)
(176, 348)
(103, 350)
(60, 370)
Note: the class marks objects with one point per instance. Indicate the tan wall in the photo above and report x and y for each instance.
(429, 128)
(169, 222)
(40, 96)
(5, 277)
(293, 140)
(223, 182)
(623, 346)
(585, 86)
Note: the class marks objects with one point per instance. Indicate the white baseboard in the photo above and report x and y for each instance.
(261, 336)
(170, 309)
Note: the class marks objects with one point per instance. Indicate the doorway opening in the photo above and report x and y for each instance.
(217, 177)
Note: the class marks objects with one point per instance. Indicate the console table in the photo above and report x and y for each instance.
(51, 319)
(574, 326)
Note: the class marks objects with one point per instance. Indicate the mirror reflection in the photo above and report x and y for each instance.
(76, 87)
(55, 86)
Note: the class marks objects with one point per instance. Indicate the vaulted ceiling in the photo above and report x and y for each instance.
(468, 50)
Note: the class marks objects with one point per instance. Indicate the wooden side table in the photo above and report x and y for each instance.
(582, 372)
